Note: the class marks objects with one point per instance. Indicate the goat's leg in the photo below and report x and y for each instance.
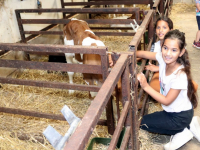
(88, 80)
(69, 57)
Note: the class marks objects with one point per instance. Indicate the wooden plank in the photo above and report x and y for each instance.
(93, 69)
(40, 114)
(96, 33)
(118, 129)
(80, 10)
(117, 2)
(65, 21)
(47, 84)
(101, 50)
(81, 136)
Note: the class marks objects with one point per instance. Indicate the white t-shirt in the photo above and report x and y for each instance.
(177, 80)
(157, 47)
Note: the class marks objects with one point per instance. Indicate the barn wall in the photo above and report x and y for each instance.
(9, 32)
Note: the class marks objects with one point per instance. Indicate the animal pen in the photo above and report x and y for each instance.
(128, 116)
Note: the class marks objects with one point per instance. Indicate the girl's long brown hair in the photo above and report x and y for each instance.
(184, 60)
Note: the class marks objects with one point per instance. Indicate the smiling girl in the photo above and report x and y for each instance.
(176, 96)
(162, 26)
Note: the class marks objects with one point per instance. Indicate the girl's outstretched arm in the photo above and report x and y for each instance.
(165, 100)
(152, 67)
(146, 55)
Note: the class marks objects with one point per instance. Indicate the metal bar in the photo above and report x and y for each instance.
(144, 60)
(142, 65)
(97, 33)
(104, 66)
(115, 33)
(125, 138)
(142, 110)
(111, 28)
(135, 1)
(166, 12)
(118, 129)
(134, 89)
(156, 4)
(101, 50)
(93, 69)
(145, 99)
(47, 53)
(103, 3)
(33, 36)
(81, 136)
(161, 7)
(21, 29)
(39, 114)
(137, 38)
(147, 106)
(46, 84)
(65, 21)
(126, 93)
(81, 10)
(141, 69)
(62, 5)
(110, 117)
(117, 95)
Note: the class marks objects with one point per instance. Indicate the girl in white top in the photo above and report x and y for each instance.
(176, 95)
(162, 25)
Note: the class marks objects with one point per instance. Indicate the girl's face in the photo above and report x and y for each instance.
(161, 29)
(171, 51)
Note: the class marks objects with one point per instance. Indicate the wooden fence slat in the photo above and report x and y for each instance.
(46, 84)
(93, 69)
(81, 136)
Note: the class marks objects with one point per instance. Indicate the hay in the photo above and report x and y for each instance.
(116, 43)
(29, 129)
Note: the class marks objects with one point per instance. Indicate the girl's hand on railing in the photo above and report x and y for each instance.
(142, 79)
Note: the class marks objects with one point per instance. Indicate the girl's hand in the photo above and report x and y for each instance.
(142, 79)
(110, 60)
(152, 67)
